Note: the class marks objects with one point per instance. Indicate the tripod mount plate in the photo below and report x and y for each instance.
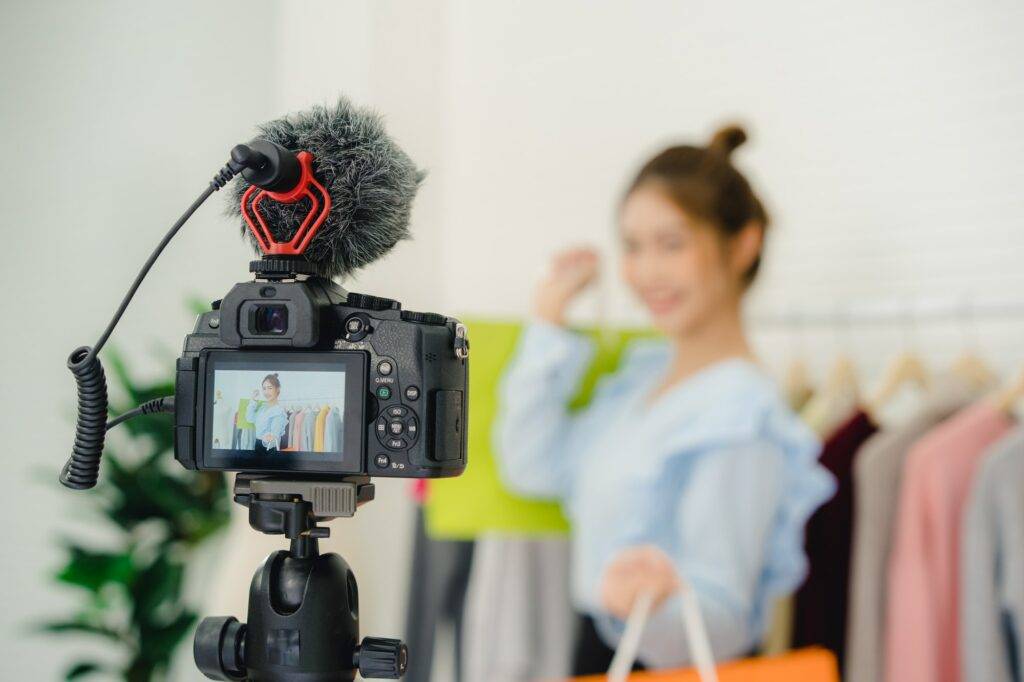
(331, 499)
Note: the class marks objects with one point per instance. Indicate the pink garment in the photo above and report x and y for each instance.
(921, 635)
(297, 438)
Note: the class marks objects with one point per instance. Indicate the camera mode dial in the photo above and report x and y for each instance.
(423, 318)
(369, 302)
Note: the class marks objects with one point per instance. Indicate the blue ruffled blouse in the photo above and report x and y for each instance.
(717, 472)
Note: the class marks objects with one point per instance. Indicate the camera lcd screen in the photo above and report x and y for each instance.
(298, 412)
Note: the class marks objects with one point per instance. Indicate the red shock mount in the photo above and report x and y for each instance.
(320, 207)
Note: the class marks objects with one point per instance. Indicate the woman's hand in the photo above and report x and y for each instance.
(255, 395)
(634, 571)
(571, 272)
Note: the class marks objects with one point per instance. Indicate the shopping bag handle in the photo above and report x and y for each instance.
(693, 625)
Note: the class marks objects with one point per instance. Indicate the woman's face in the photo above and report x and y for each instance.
(678, 267)
(270, 392)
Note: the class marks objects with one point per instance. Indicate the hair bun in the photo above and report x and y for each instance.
(727, 139)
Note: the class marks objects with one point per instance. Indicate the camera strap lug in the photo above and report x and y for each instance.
(461, 344)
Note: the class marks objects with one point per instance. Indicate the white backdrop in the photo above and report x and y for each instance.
(885, 138)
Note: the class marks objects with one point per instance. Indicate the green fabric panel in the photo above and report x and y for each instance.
(477, 501)
(243, 423)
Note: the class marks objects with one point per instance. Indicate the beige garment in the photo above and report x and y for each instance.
(877, 473)
(779, 638)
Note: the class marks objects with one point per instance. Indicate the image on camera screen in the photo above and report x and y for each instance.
(279, 413)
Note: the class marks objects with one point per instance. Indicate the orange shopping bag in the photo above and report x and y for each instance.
(804, 665)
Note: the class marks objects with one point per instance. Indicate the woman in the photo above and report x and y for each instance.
(269, 417)
(687, 464)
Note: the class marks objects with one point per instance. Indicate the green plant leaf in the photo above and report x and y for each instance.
(197, 304)
(81, 628)
(157, 643)
(93, 570)
(83, 669)
(156, 585)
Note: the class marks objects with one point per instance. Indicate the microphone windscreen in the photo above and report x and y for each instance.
(370, 180)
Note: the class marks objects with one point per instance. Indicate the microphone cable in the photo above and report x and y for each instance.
(82, 469)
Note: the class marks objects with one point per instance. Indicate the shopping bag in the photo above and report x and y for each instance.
(805, 665)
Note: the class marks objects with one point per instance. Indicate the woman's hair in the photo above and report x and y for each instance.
(703, 182)
(274, 381)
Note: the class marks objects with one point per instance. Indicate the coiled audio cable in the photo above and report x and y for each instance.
(82, 469)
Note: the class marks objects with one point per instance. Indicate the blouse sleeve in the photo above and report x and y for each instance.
(535, 436)
(724, 520)
(250, 410)
(276, 427)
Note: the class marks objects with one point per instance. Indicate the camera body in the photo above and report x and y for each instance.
(302, 377)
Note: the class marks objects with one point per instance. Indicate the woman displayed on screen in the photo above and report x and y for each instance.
(688, 464)
(268, 416)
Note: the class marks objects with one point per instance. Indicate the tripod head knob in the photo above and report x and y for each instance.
(382, 658)
(219, 648)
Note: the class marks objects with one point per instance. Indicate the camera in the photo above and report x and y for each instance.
(291, 373)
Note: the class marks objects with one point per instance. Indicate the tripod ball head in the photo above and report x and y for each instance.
(303, 627)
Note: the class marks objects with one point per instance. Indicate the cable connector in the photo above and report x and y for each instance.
(164, 404)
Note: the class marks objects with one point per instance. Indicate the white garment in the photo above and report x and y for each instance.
(223, 424)
(519, 625)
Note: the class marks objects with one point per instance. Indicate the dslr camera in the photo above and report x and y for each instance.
(291, 373)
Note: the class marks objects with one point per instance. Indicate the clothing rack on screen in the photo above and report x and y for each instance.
(313, 424)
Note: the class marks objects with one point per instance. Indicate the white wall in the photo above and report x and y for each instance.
(113, 117)
(884, 137)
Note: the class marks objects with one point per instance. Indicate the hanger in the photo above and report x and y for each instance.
(906, 368)
(843, 376)
(839, 395)
(797, 380)
(969, 365)
(1007, 397)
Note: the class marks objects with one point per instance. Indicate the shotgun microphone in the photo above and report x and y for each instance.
(370, 184)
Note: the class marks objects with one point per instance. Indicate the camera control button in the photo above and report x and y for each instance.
(382, 426)
(397, 410)
(383, 392)
(396, 428)
(382, 461)
(354, 325)
(385, 367)
(411, 427)
(395, 443)
(412, 392)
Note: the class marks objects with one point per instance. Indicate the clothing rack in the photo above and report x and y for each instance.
(893, 312)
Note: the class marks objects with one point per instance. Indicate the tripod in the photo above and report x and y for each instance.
(303, 606)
